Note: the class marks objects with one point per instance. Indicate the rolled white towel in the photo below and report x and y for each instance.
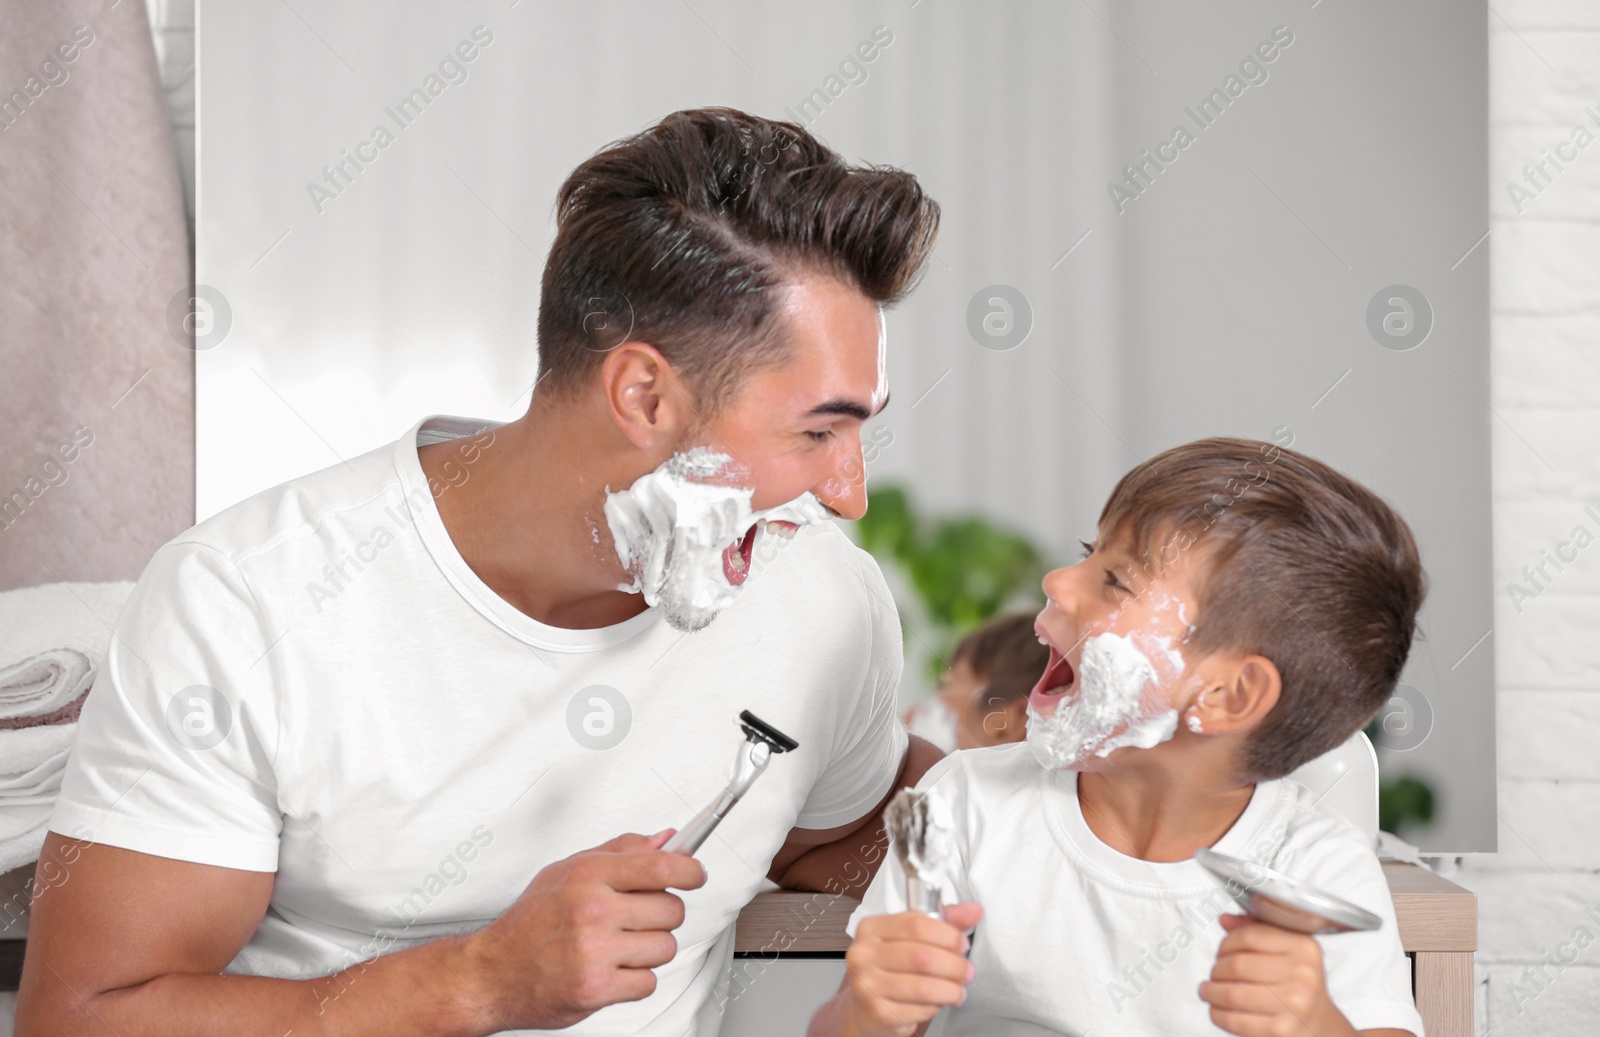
(32, 760)
(43, 689)
(52, 638)
(32, 764)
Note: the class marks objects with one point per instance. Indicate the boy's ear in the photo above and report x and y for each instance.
(645, 396)
(1241, 698)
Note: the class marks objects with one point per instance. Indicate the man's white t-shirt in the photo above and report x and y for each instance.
(406, 750)
(1078, 938)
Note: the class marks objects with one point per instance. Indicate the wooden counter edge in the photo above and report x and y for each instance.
(1434, 913)
(786, 922)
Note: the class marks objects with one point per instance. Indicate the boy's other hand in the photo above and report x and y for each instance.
(1268, 982)
(904, 968)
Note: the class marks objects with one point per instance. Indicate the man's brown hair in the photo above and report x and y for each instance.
(680, 235)
(1005, 654)
(1299, 564)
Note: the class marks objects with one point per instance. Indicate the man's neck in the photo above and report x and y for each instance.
(1157, 813)
(528, 520)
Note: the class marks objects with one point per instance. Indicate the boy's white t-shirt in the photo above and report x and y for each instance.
(1077, 938)
(406, 750)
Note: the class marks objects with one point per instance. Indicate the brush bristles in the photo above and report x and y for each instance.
(906, 819)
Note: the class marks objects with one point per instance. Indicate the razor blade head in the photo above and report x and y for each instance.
(756, 728)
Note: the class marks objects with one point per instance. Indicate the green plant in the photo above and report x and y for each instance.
(1404, 801)
(962, 569)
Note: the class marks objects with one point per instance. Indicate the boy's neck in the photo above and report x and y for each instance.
(1158, 815)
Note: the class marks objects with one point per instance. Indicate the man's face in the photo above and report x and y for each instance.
(1116, 631)
(796, 428)
(786, 447)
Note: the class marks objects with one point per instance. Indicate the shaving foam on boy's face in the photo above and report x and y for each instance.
(1116, 676)
(686, 533)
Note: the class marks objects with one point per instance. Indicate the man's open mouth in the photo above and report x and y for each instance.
(736, 556)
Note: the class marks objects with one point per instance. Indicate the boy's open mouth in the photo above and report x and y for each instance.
(1058, 675)
(736, 556)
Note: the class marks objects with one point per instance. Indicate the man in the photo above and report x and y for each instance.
(344, 722)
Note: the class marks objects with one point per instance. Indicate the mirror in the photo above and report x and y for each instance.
(1160, 222)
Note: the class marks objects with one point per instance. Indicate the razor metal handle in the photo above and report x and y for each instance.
(688, 839)
(747, 767)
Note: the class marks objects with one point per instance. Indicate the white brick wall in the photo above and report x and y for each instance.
(1545, 349)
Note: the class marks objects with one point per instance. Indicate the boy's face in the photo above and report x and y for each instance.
(1118, 677)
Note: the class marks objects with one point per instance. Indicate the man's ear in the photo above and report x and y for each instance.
(1238, 697)
(645, 396)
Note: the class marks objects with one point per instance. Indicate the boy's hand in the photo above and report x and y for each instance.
(1268, 982)
(904, 968)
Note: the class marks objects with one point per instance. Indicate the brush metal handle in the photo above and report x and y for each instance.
(920, 896)
(925, 898)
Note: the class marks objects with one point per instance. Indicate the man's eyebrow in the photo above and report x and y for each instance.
(848, 408)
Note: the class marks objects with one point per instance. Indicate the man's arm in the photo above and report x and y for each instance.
(135, 943)
(844, 859)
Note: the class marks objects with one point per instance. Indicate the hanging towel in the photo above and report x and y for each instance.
(96, 377)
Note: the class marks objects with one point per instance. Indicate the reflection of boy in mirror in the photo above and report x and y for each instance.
(983, 696)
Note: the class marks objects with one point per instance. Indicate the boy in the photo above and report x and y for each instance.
(1244, 609)
(983, 699)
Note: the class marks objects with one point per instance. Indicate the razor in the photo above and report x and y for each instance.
(762, 740)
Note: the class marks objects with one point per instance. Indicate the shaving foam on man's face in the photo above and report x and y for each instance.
(686, 533)
(1116, 673)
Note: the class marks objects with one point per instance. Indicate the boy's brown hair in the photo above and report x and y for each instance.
(679, 235)
(1299, 564)
(1005, 654)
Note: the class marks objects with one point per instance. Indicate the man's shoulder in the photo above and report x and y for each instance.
(821, 540)
(296, 506)
(821, 567)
